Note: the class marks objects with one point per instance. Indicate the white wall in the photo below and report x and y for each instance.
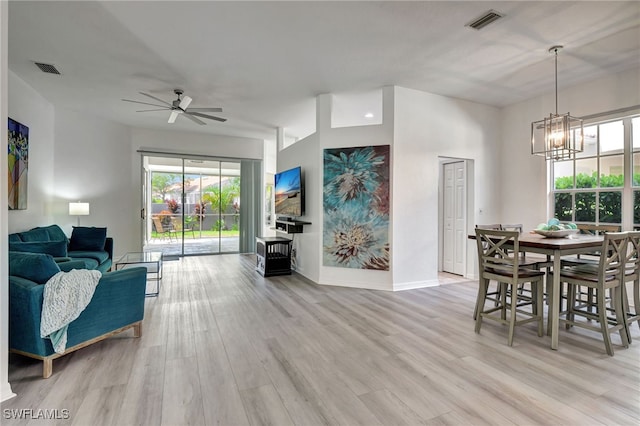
(428, 127)
(524, 186)
(346, 137)
(92, 164)
(305, 153)
(197, 143)
(29, 108)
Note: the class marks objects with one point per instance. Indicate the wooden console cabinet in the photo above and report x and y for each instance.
(273, 256)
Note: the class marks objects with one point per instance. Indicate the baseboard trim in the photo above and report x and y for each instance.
(5, 392)
(415, 285)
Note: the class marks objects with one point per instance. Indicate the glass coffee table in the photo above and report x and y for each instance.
(152, 260)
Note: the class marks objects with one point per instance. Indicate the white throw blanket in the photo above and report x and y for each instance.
(66, 295)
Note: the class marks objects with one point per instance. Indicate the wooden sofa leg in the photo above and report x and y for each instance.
(47, 368)
(137, 330)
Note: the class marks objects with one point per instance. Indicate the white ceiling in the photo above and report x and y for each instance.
(264, 62)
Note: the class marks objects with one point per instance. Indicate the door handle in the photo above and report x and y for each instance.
(142, 215)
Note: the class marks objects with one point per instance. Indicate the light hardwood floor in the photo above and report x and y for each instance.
(223, 346)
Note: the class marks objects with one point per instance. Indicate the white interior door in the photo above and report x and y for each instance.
(448, 222)
(454, 217)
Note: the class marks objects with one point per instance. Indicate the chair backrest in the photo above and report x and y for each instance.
(494, 226)
(632, 263)
(497, 251)
(615, 247)
(512, 227)
(158, 224)
(177, 224)
(597, 229)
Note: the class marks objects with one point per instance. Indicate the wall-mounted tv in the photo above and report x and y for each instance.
(289, 193)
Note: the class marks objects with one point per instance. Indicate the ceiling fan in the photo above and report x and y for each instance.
(180, 107)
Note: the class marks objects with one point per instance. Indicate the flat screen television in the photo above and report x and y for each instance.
(289, 193)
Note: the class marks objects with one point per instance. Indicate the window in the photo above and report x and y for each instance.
(599, 186)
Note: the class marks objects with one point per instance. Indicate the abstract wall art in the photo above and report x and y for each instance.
(356, 207)
(18, 165)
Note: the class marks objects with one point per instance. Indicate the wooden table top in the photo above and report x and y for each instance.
(542, 242)
(571, 242)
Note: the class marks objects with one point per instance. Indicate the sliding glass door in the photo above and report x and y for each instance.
(193, 205)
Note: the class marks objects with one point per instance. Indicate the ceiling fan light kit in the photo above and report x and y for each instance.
(559, 136)
(178, 107)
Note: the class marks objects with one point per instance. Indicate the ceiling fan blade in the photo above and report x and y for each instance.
(173, 116)
(184, 103)
(205, 109)
(153, 97)
(149, 110)
(195, 120)
(211, 117)
(143, 103)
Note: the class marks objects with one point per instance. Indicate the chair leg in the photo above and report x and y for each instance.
(618, 305)
(539, 306)
(503, 299)
(479, 297)
(602, 317)
(636, 300)
(482, 294)
(512, 315)
(626, 310)
(572, 292)
(590, 299)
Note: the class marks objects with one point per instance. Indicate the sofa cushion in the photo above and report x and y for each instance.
(99, 255)
(87, 239)
(34, 235)
(54, 231)
(88, 263)
(14, 238)
(36, 267)
(54, 248)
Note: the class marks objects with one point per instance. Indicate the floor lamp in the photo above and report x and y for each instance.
(78, 209)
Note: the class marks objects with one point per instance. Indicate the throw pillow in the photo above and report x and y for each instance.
(35, 235)
(55, 233)
(37, 267)
(85, 238)
(54, 248)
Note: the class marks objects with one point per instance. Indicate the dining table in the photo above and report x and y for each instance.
(554, 249)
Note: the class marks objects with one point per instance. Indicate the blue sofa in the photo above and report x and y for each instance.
(116, 305)
(88, 247)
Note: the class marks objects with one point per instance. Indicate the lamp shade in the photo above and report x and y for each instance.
(78, 209)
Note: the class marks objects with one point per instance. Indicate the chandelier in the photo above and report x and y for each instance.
(559, 136)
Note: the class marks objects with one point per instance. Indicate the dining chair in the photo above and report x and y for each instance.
(499, 260)
(493, 295)
(589, 258)
(532, 264)
(606, 276)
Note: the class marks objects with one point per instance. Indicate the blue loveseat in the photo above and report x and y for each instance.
(116, 305)
(88, 247)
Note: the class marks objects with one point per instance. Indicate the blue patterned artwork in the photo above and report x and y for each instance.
(18, 155)
(356, 207)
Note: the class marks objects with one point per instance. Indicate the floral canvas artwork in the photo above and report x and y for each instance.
(356, 207)
(18, 155)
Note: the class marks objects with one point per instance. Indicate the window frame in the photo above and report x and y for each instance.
(627, 190)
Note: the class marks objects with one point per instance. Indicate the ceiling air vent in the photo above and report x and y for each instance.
(484, 20)
(48, 68)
